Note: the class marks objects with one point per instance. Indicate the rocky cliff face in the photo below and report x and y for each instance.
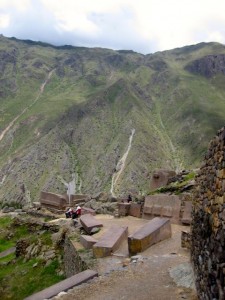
(208, 66)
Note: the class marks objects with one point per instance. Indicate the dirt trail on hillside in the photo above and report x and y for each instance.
(146, 278)
(26, 108)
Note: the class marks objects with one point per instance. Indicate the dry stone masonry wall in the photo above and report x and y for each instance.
(208, 225)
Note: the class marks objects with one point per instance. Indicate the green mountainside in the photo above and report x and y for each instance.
(107, 118)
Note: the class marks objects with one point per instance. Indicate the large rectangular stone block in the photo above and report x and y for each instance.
(88, 222)
(162, 205)
(63, 285)
(135, 210)
(110, 241)
(156, 230)
(52, 200)
(123, 209)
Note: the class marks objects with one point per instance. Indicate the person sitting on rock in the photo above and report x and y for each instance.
(77, 212)
(69, 213)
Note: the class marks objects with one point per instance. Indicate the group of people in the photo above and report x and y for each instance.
(73, 213)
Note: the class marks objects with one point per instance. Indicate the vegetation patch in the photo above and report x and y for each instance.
(21, 274)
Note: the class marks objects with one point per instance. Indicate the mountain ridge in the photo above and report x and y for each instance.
(86, 110)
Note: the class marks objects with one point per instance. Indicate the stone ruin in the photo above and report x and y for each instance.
(208, 225)
(160, 178)
(59, 202)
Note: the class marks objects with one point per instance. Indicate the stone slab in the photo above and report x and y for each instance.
(87, 210)
(87, 241)
(186, 219)
(154, 231)
(135, 210)
(88, 222)
(123, 209)
(162, 205)
(53, 200)
(63, 285)
(110, 241)
(7, 252)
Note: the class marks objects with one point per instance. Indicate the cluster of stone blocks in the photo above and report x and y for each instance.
(151, 233)
(174, 207)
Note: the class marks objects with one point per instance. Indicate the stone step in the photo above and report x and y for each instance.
(89, 222)
(63, 285)
(154, 231)
(110, 241)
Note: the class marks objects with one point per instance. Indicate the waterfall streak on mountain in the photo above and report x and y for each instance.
(121, 164)
(3, 179)
(26, 108)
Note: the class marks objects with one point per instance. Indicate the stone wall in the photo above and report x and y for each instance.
(208, 225)
(75, 261)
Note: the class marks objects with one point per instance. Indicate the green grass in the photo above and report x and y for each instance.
(19, 278)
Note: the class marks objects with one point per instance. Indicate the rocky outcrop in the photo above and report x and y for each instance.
(208, 236)
(208, 66)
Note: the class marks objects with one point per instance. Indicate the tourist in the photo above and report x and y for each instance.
(77, 212)
(69, 213)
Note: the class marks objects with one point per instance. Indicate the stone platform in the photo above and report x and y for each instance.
(154, 231)
(110, 241)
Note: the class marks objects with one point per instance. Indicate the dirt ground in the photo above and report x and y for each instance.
(146, 278)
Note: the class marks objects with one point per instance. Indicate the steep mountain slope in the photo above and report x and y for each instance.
(68, 110)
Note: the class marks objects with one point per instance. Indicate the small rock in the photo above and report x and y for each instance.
(95, 230)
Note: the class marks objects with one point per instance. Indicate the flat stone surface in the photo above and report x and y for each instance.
(110, 241)
(151, 233)
(63, 285)
(88, 222)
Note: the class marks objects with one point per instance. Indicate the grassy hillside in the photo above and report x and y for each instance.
(71, 110)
